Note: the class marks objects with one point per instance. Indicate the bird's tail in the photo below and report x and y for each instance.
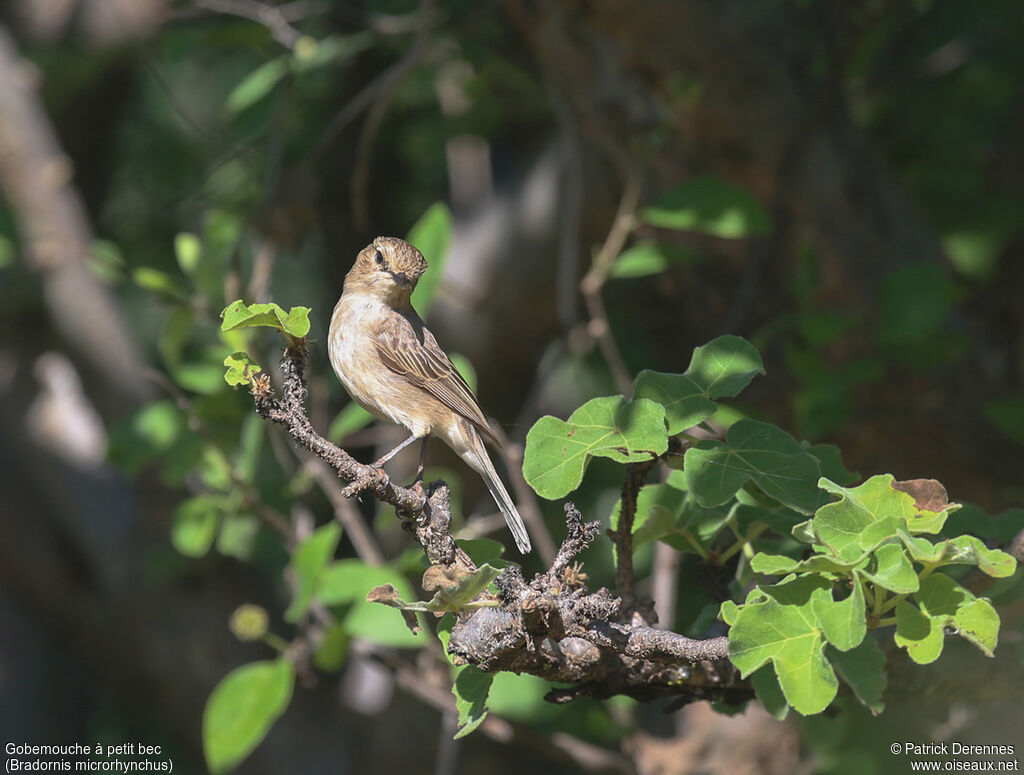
(475, 454)
(508, 508)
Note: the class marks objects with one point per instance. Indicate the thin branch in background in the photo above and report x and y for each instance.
(269, 16)
(594, 280)
(378, 107)
(664, 580)
(345, 512)
(366, 96)
(269, 515)
(571, 208)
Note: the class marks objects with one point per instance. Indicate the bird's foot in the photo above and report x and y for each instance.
(366, 481)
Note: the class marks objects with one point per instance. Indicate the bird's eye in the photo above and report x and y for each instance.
(378, 257)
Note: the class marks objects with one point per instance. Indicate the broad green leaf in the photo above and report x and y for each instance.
(969, 550)
(309, 561)
(831, 461)
(557, 452)
(188, 250)
(757, 452)
(941, 603)
(863, 669)
(332, 651)
(978, 622)
(641, 260)
(921, 635)
(257, 84)
(432, 235)
(159, 282)
(921, 549)
(237, 535)
(783, 629)
(520, 697)
(863, 517)
(471, 686)
(194, 524)
(347, 582)
(240, 369)
(481, 550)
(711, 206)
(175, 335)
(842, 622)
(891, 569)
(241, 710)
(766, 686)
(728, 612)
(465, 369)
(239, 315)
(349, 420)
(719, 369)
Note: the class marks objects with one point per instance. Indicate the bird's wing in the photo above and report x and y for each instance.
(427, 367)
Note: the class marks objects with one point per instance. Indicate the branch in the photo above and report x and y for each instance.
(593, 282)
(551, 626)
(271, 17)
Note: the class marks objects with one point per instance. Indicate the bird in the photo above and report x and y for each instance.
(391, 365)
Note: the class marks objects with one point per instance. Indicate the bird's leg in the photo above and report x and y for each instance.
(423, 458)
(367, 480)
(395, 451)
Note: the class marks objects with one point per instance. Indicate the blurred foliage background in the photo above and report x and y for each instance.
(854, 182)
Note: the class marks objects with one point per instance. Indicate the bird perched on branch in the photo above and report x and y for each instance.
(392, 366)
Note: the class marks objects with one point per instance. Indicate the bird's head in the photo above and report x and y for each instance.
(387, 268)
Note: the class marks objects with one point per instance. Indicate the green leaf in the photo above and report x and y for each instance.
(194, 524)
(968, 550)
(842, 622)
(481, 550)
(782, 628)
(766, 686)
(330, 655)
(241, 710)
(863, 518)
(349, 420)
(863, 669)
(711, 206)
(308, 563)
(188, 250)
(238, 315)
(240, 369)
(921, 635)
(943, 603)
(257, 84)
(471, 686)
(830, 458)
(891, 569)
(347, 582)
(641, 260)
(432, 234)
(238, 535)
(159, 282)
(453, 591)
(719, 369)
(557, 452)
(757, 452)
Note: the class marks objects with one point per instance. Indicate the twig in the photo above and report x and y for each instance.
(594, 280)
(622, 535)
(346, 513)
(269, 16)
(368, 95)
(378, 107)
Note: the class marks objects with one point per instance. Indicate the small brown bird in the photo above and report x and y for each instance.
(392, 366)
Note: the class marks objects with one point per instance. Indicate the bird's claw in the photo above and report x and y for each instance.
(366, 481)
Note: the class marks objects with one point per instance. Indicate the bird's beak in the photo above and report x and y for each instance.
(402, 279)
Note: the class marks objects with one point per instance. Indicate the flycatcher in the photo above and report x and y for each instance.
(392, 366)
